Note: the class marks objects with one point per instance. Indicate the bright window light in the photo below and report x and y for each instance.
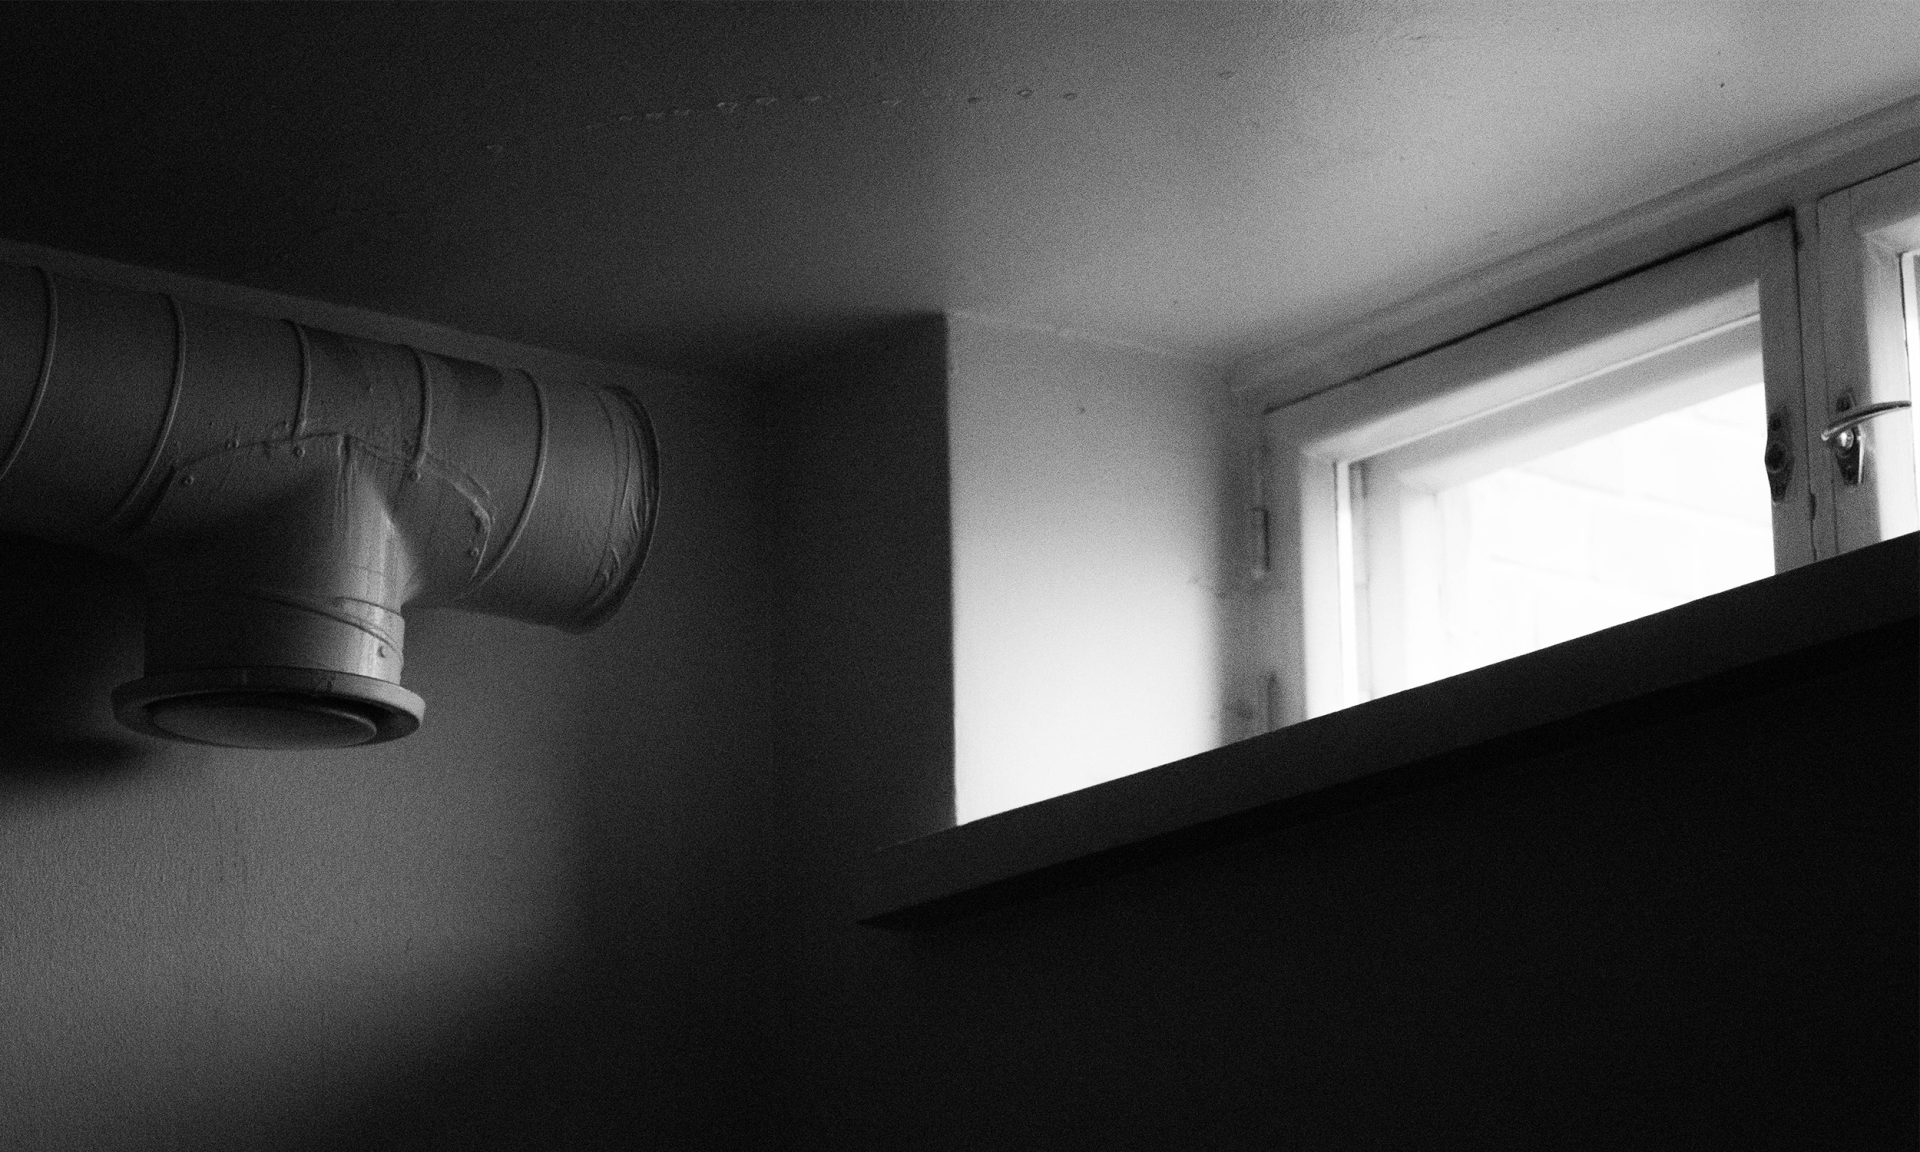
(1619, 526)
(1611, 498)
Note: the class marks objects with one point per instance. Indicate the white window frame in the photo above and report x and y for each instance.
(1865, 235)
(1834, 324)
(1313, 444)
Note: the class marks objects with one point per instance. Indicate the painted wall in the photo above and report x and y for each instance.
(1092, 526)
(516, 928)
(1697, 932)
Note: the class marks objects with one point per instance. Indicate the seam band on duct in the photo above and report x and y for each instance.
(313, 606)
(166, 422)
(46, 373)
(426, 414)
(638, 483)
(299, 428)
(623, 509)
(533, 491)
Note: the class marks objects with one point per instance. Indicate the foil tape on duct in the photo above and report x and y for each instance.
(288, 492)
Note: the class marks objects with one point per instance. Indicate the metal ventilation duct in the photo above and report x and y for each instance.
(289, 492)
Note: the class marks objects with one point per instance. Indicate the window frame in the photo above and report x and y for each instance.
(1294, 635)
(1313, 445)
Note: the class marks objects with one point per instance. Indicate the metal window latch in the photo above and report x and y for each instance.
(1844, 437)
(1779, 456)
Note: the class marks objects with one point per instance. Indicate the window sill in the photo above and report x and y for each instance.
(1808, 620)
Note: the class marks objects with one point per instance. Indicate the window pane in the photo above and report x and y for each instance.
(1628, 523)
(1570, 469)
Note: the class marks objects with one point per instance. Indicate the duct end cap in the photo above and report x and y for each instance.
(276, 708)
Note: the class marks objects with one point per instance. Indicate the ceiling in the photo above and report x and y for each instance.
(712, 185)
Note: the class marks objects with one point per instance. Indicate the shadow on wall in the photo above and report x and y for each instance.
(69, 634)
(220, 949)
(531, 1076)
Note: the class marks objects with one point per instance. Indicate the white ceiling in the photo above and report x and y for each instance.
(709, 184)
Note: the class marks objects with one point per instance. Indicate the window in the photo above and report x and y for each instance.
(1617, 453)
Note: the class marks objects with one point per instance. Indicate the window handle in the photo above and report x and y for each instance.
(1843, 435)
(1861, 416)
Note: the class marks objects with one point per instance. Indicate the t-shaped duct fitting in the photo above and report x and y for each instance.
(288, 492)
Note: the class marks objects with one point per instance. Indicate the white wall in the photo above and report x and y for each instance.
(1091, 507)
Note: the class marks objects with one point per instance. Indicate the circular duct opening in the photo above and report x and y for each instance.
(264, 720)
(268, 708)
